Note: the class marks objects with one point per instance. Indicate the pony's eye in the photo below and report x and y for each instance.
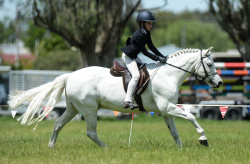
(209, 64)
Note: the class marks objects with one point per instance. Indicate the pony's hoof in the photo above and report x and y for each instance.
(51, 146)
(203, 142)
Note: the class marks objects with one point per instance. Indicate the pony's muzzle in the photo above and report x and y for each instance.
(219, 84)
(214, 84)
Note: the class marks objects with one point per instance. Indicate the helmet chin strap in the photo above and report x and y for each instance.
(143, 28)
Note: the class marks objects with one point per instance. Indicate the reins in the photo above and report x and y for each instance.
(192, 73)
(157, 68)
(195, 74)
(181, 69)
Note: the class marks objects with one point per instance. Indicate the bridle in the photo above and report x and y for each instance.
(204, 68)
(193, 73)
(196, 74)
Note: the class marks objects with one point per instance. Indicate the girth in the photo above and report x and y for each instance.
(121, 71)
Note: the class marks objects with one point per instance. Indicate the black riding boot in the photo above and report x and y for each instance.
(129, 104)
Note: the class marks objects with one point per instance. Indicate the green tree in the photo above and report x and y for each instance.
(192, 34)
(33, 35)
(50, 42)
(66, 60)
(54, 53)
(7, 28)
(93, 26)
(128, 32)
(1, 32)
(234, 17)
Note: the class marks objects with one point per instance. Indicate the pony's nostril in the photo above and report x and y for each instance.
(219, 84)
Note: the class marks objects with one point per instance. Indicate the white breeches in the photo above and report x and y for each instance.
(133, 69)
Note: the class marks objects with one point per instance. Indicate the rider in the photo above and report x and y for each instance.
(135, 45)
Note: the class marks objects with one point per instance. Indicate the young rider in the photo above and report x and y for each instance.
(140, 38)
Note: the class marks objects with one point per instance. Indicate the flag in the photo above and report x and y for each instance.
(223, 110)
(46, 109)
(13, 113)
(116, 113)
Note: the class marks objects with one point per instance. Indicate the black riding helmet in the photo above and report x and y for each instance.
(145, 16)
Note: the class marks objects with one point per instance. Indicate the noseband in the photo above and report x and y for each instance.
(206, 73)
(196, 74)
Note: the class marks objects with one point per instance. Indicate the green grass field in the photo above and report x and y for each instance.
(151, 142)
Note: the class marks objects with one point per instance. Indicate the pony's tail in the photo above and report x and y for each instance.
(50, 92)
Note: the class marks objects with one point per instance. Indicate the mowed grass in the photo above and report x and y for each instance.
(151, 142)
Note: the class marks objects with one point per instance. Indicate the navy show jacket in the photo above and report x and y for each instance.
(137, 44)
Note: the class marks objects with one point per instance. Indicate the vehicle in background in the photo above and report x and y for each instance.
(23, 80)
(236, 110)
(106, 113)
(27, 79)
(3, 96)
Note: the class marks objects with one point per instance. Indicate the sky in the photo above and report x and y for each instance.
(9, 9)
(173, 5)
(177, 6)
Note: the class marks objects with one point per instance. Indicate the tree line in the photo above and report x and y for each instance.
(84, 33)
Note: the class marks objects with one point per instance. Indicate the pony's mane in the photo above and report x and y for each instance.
(188, 50)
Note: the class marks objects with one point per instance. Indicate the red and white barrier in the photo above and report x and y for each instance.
(232, 65)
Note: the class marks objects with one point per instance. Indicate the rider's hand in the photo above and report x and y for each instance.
(162, 59)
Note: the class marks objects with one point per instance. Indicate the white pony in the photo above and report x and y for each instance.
(92, 88)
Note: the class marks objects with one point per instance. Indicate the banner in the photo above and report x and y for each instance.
(116, 113)
(13, 113)
(223, 110)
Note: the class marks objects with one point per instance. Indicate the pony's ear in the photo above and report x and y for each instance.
(208, 51)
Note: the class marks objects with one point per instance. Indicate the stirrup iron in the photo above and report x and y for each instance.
(128, 104)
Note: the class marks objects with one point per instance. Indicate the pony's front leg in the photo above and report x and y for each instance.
(203, 138)
(172, 128)
(175, 111)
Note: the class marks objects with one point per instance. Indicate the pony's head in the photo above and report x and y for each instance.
(205, 69)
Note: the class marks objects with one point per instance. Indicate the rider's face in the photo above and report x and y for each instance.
(148, 25)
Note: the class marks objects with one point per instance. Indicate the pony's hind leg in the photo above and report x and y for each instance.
(172, 128)
(88, 108)
(91, 123)
(61, 122)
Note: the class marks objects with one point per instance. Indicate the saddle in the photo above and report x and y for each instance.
(121, 71)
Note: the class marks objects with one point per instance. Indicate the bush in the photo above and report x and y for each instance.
(66, 60)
